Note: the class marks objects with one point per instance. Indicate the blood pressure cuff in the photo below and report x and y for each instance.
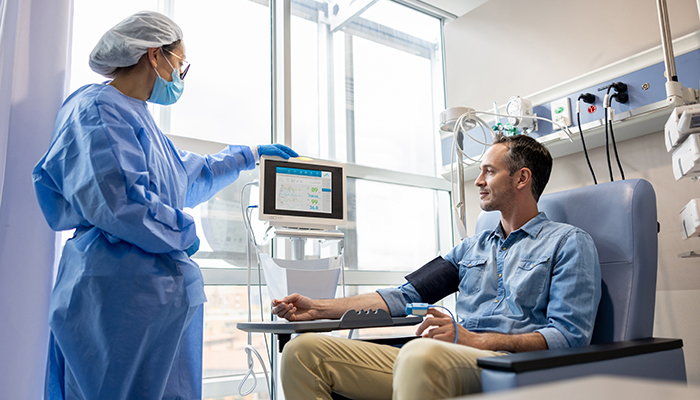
(435, 280)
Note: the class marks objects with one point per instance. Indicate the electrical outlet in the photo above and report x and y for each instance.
(561, 112)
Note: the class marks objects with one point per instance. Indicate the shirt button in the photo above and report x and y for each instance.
(505, 248)
(499, 275)
(495, 301)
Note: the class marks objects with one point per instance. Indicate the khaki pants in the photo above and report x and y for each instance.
(313, 365)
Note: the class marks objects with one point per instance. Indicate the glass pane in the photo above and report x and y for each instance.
(305, 85)
(393, 115)
(367, 88)
(91, 19)
(404, 19)
(223, 352)
(227, 89)
(220, 225)
(394, 227)
(252, 396)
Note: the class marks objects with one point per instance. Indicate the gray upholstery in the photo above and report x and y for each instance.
(621, 218)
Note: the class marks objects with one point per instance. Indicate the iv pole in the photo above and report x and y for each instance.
(676, 94)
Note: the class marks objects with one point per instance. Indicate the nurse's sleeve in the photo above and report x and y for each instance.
(207, 175)
(101, 170)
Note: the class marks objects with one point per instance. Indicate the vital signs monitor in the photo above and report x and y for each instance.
(302, 193)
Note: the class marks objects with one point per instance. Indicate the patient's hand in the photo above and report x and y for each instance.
(295, 307)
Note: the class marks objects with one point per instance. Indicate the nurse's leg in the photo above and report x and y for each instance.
(185, 380)
(54, 387)
(117, 320)
(313, 365)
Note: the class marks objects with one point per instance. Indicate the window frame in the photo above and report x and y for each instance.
(281, 12)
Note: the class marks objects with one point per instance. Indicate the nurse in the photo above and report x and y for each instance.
(126, 310)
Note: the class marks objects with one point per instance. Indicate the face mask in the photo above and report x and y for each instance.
(164, 92)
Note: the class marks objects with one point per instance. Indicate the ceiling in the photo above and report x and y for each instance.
(456, 7)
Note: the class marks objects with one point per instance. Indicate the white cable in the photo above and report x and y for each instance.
(459, 125)
(249, 349)
(470, 116)
(341, 262)
(480, 122)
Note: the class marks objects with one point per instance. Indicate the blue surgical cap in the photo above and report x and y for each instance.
(123, 45)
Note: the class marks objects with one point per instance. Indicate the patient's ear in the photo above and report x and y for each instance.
(523, 178)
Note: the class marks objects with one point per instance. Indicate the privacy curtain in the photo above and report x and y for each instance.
(34, 56)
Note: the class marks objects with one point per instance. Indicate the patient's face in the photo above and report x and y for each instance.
(496, 185)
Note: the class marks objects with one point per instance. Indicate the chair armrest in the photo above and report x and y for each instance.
(545, 359)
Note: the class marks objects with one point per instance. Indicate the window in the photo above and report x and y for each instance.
(366, 89)
(91, 19)
(227, 89)
(371, 84)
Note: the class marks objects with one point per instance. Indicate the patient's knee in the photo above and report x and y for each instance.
(299, 352)
(420, 355)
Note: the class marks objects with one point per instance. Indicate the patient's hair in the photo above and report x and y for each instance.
(526, 152)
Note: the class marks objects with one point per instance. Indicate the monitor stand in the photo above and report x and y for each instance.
(298, 237)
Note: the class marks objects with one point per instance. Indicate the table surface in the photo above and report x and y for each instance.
(321, 325)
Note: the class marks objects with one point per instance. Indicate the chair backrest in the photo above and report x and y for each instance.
(621, 218)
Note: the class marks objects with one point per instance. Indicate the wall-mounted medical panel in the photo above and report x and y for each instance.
(645, 88)
(645, 112)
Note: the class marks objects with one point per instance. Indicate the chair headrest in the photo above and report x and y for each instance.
(610, 212)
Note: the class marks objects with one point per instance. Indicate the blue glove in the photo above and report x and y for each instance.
(193, 249)
(278, 150)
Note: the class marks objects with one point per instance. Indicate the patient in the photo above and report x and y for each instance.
(528, 284)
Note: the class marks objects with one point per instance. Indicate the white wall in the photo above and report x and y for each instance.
(506, 48)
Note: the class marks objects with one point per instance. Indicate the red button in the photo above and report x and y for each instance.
(592, 109)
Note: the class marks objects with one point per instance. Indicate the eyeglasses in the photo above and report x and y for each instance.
(185, 64)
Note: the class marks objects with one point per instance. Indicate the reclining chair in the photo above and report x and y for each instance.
(621, 219)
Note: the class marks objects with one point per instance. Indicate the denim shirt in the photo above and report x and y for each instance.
(544, 277)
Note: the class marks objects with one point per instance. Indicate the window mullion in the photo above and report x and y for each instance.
(280, 11)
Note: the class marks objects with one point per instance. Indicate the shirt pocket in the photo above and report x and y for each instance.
(531, 276)
(471, 273)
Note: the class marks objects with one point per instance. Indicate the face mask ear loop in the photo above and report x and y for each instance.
(157, 74)
(168, 61)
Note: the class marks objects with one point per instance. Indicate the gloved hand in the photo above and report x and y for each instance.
(193, 249)
(278, 150)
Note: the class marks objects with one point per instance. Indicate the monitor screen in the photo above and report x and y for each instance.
(302, 193)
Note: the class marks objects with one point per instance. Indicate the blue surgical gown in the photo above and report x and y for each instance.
(126, 309)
